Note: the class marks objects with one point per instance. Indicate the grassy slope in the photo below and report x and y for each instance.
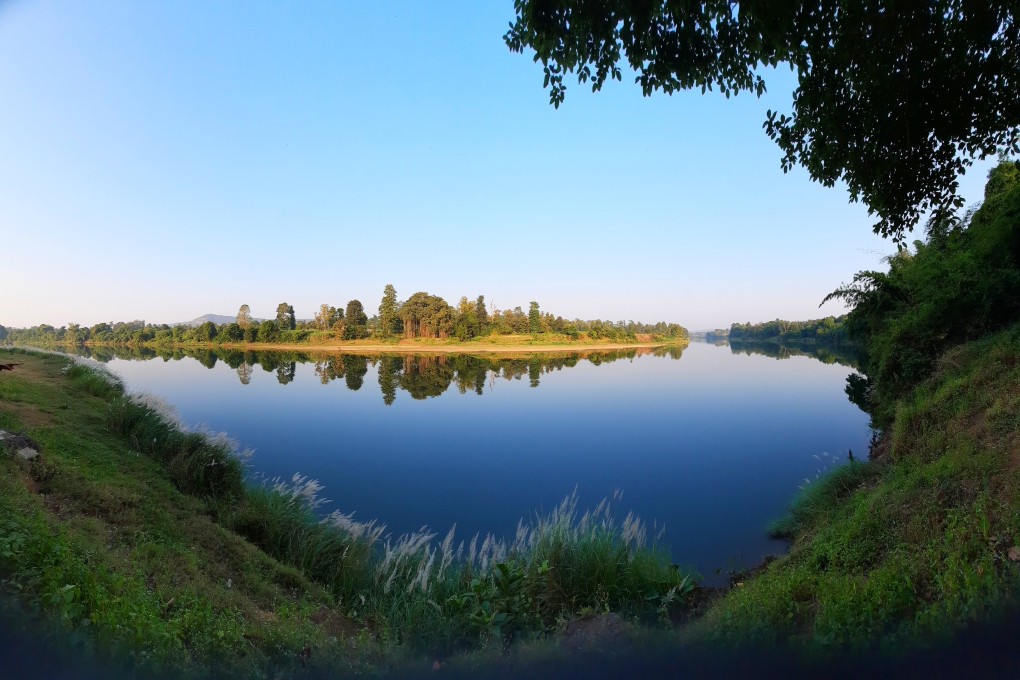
(913, 546)
(100, 535)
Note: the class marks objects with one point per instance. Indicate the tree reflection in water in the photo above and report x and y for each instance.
(419, 375)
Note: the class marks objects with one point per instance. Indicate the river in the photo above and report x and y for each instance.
(707, 445)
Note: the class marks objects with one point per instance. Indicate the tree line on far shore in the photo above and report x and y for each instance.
(422, 315)
(830, 330)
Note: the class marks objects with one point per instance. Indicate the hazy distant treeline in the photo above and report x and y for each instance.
(831, 330)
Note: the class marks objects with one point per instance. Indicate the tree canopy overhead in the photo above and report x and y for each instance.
(894, 98)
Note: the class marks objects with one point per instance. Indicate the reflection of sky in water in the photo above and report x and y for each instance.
(713, 445)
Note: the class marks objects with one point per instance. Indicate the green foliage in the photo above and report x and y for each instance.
(427, 316)
(97, 540)
(229, 333)
(388, 312)
(285, 317)
(923, 540)
(355, 321)
(282, 521)
(468, 324)
(426, 593)
(534, 318)
(481, 315)
(205, 332)
(421, 316)
(961, 285)
(295, 336)
(268, 331)
(830, 330)
(936, 87)
(328, 317)
(500, 605)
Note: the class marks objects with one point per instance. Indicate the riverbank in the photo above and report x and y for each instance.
(912, 549)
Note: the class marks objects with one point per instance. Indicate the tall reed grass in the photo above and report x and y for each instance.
(430, 590)
(199, 462)
(93, 378)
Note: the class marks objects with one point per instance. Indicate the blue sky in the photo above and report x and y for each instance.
(166, 160)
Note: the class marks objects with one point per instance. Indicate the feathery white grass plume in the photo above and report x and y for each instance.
(99, 369)
(166, 411)
(446, 548)
(369, 532)
(300, 490)
(225, 441)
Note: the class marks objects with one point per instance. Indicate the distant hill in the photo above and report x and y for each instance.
(215, 318)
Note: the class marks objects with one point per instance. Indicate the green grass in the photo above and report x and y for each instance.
(814, 504)
(913, 547)
(101, 537)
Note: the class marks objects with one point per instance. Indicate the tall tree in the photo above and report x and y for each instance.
(326, 317)
(466, 325)
(355, 321)
(285, 317)
(73, 336)
(427, 316)
(482, 315)
(244, 316)
(534, 318)
(895, 99)
(388, 311)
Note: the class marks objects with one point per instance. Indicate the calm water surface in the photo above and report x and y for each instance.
(711, 444)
